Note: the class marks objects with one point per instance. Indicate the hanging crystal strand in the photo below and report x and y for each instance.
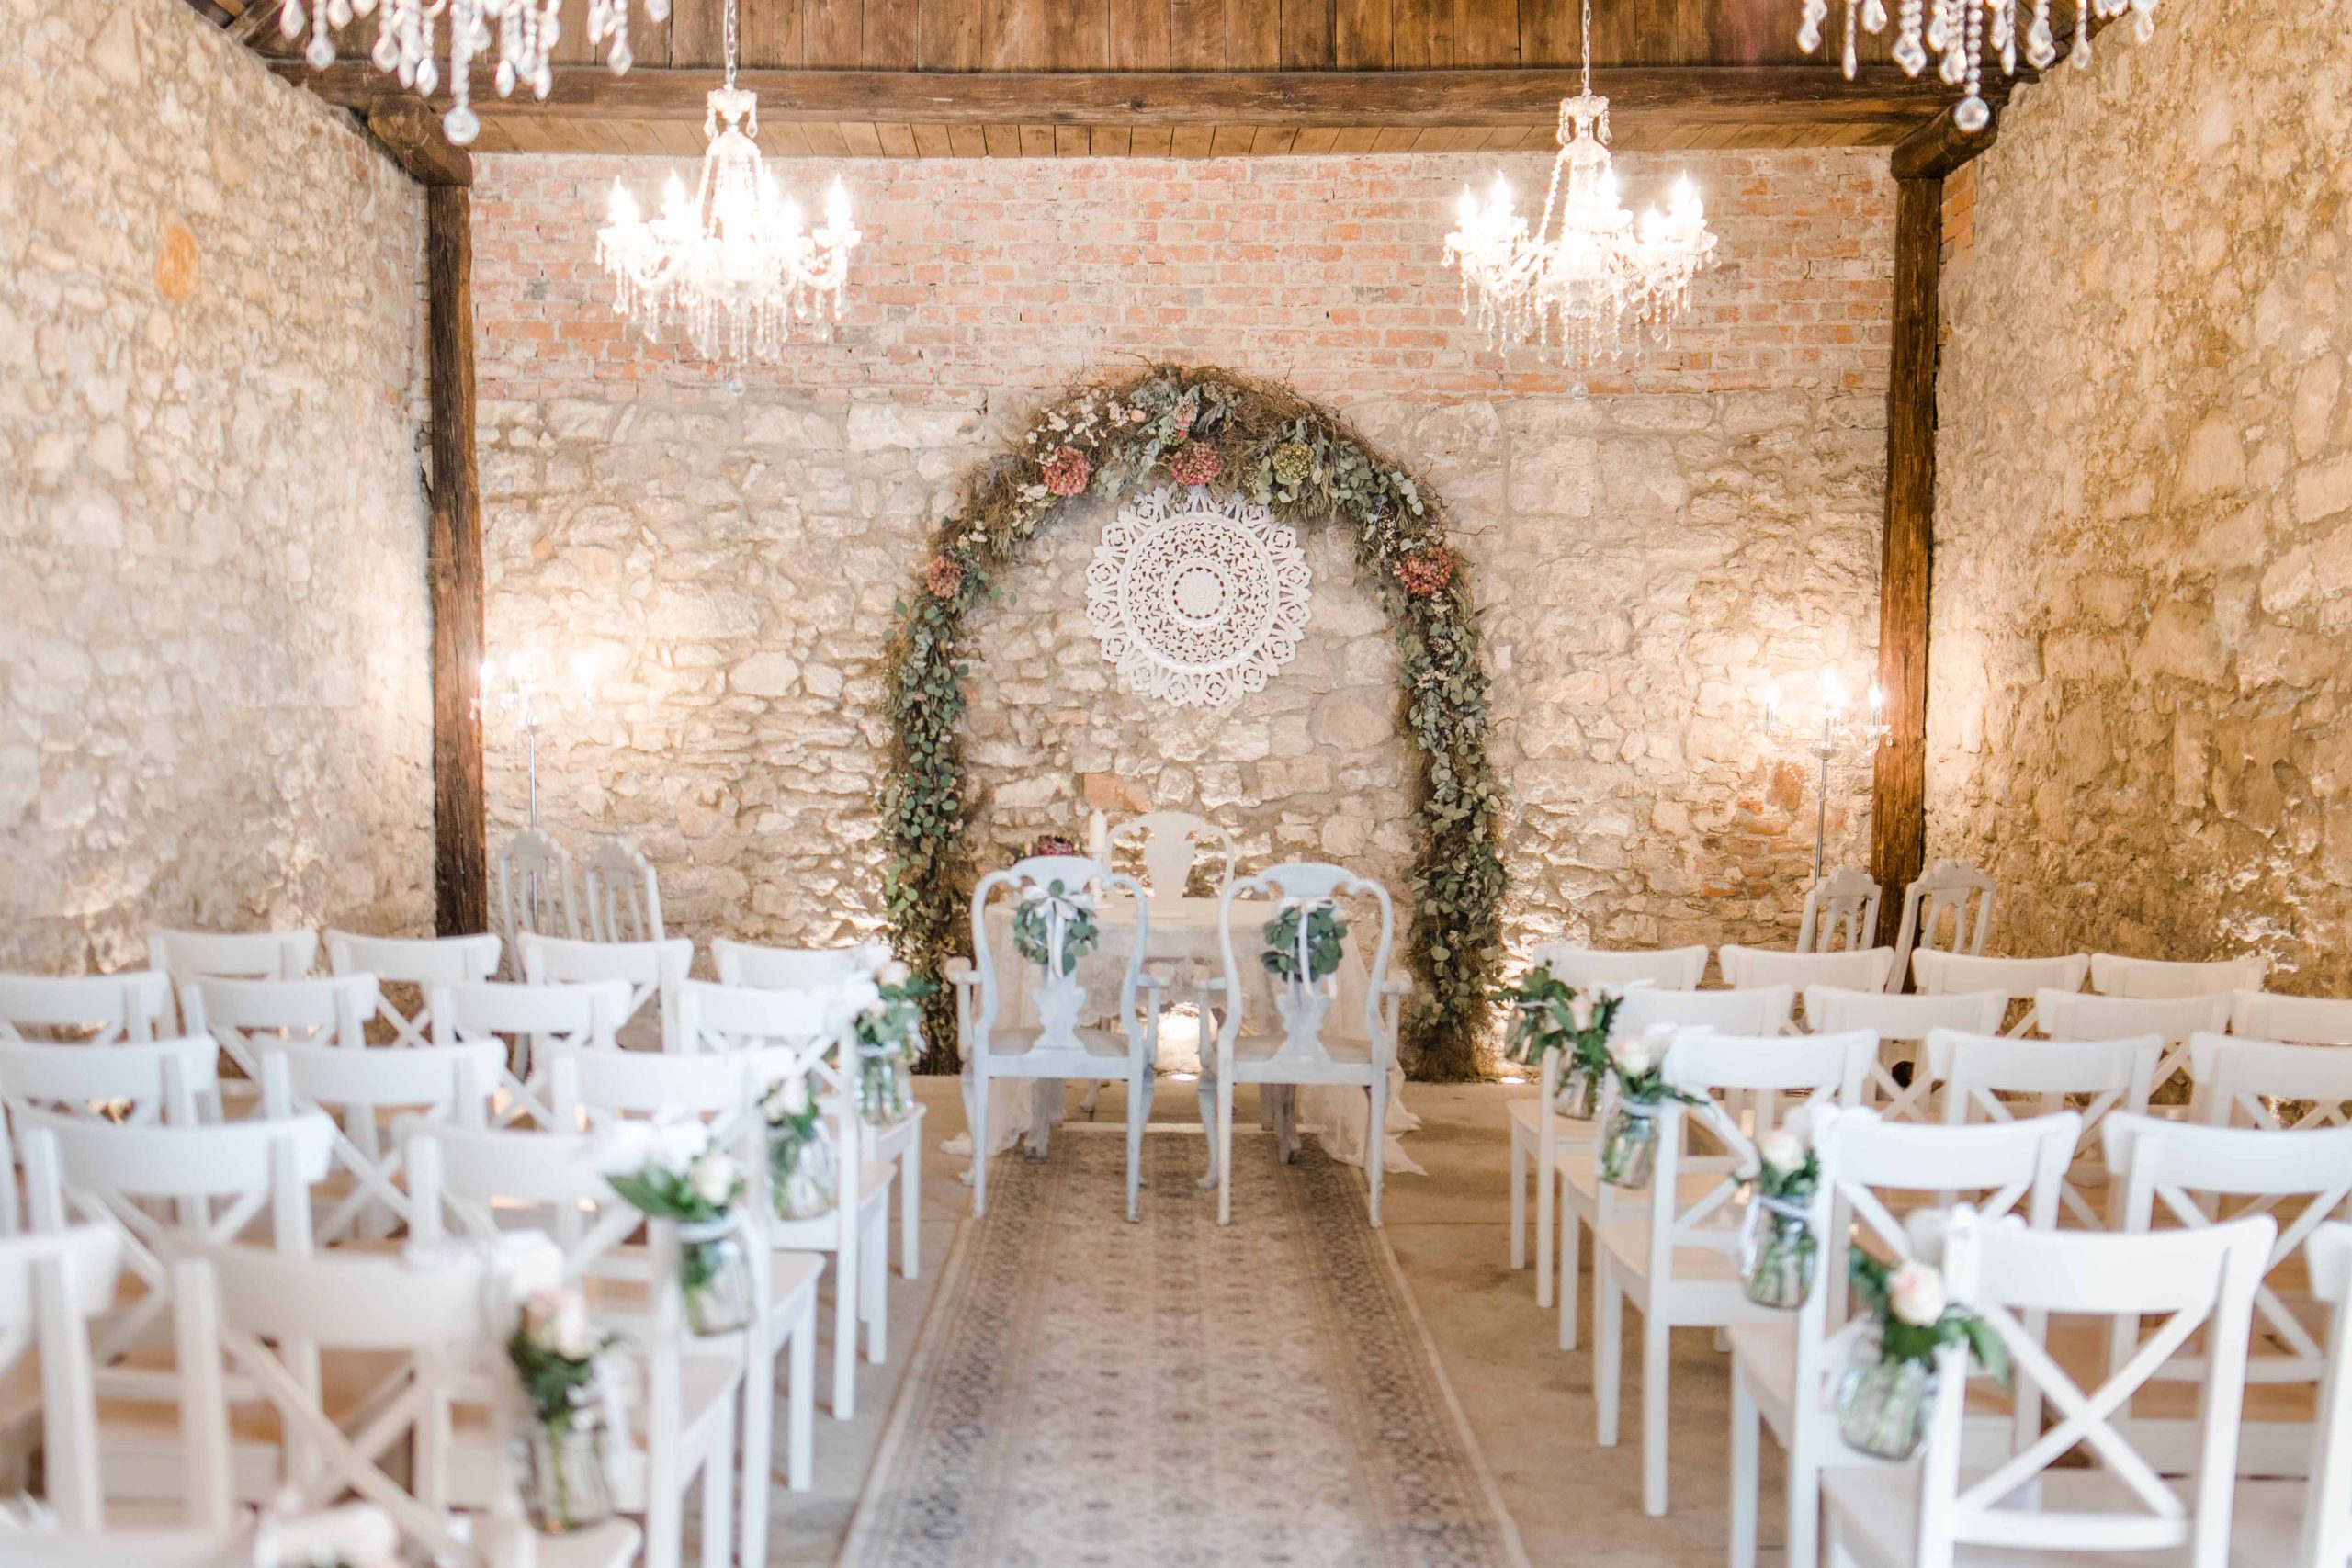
(2080, 55)
(461, 125)
(1908, 52)
(2040, 48)
(1971, 113)
(1809, 25)
(1849, 63)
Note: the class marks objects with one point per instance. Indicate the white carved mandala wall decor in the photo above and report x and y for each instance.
(1197, 596)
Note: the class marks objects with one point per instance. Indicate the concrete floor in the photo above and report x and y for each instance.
(1530, 1404)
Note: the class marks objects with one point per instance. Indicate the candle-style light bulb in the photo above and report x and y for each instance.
(1833, 690)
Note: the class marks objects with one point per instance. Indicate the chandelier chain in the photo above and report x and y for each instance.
(726, 34)
(1587, 48)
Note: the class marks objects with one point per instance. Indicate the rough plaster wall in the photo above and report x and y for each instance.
(214, 688)
(1644, 557)
(2144, 513)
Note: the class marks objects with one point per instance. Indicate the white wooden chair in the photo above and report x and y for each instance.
(1783, 1368)
(1904, 1022)
(1061, 1048)
(1950, 974)
(230, 955)
(652, 970)
(1537, 1135)
(416, 964)
(90, 1009)
(2177, 1175)
(1949, 888)
(683, 1422)
(2259, 1081)
(1841, 912)
(2284, 1524)
(243, 1016)
(364, 1090)
(2155, 978)
(821, 968)
(622, 895)
(262, 1319)
(2301, 1020)
(220, 1182)
(1753, 968)
(1675, 1261)
(729, 1019)
(1299, 1053)
(1169, 842)
(1977, 1071)
(1941, 1515)
(143, 1085)
(530, 1023)
(2176, 1019)
(534, 892)
(603, 1090)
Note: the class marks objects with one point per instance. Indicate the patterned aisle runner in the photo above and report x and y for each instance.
(1089, 1391)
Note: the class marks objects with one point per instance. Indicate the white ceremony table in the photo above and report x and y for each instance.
(1181, 942)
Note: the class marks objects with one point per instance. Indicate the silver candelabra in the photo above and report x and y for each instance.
(518, 696)
(1839, 730)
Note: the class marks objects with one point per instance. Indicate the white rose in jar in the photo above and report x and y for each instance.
(788, 1098)
(1781, 1151)
(894, 974)
(713, 1177)
(557, 1322)
(1581, 1011)
(1634, 1055)
(1915, 1295)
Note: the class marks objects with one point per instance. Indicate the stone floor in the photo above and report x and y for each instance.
(1530, 1404)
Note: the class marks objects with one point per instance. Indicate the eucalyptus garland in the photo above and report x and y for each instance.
(1305, 466)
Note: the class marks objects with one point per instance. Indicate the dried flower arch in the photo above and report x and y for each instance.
(1307, 465)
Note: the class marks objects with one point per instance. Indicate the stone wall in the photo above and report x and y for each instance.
(1646, 556)
(2144, 516)
(214, 651)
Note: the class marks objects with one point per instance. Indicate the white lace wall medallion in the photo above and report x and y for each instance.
(1197, 596)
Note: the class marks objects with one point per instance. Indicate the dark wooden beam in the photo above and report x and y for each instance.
(1906, 552)
(1940, 146)
(453, 570)
(1639, 96)
(410, 135)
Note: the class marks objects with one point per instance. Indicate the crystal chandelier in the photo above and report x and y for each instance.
(1958, 31)
(525, 32)
(1585, 293)
(732, 260)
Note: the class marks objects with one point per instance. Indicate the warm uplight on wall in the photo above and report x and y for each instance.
(1835, 731)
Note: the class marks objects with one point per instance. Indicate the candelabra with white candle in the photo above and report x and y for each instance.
(514, 690)
(1838, 730)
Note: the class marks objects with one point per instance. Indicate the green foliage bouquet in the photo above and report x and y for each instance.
(1314, 923)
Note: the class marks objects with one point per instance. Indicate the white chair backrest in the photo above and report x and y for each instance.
(530, 1021)
(1894, 1017)
(1170, 841)
(1745, 968)
(2327, 1513)
(2115, 976)
(50, 1285)
(2066, 1015)
(794, 968)
(1952, 889)
(651, 970)
(245, 1016)
(1945, 974)
(1311, 881)
(1079, 877)
(432, 1084)
(2259, 1080)
(415, 964)
(138, 1084)
(91, 1009)
(1667, 968)
(2108, 1075)
(622, 895)
(1841, 912)
(231, 955)
(1764, 1010)
(534, 889)
(2010, 1276)
(2305, 1020)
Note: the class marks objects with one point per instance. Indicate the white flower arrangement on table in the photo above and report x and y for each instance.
(1303, 940)
(1043, 909)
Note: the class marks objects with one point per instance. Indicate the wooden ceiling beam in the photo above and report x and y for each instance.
(410, 133)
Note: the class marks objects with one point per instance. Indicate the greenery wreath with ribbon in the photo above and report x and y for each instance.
(1306, 466)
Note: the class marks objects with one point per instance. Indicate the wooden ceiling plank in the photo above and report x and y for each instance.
(1111, 141)
(1486, 32)
(694, 33)
(1149, 141)
(1306, 41)
(1316, 139)
(1232, 140)
(1003, 140)
(1252, 34)
(1420, 34)
(891, 35)
(861, 138)
(826, 141)
(769, 36)
(948, 35)
(1069, 35)
(1197, 35)
(1354, 139)
(830, 34)
(932, 141)
(1072, 142)
(968, 142)
(1272, 141)
(1360, 35)
(1191, 140)
(785, 138)
(1139, 34)
(1036, 140)
(1395, 139)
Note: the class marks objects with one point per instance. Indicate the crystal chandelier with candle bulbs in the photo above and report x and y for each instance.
(1958, 32)
(1587, 291)
(523, 31)
(732, 261)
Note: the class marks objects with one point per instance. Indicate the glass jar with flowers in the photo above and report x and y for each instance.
(887, 1034)
(1776, 1246)
(1302, 946)
(1628, 1156)
(804, 1170)
(1546, 1015)
(556, 1353)
(713, 1268)
(1891, 1375)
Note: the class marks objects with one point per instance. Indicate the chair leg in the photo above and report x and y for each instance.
(1518, 1197)
(1657, 1340)
(1547, 1182)
(759, 1445)
(910, 1206)
(1803, 1528)
(1745, 1483)
(845, 1330)
(1224, 1148)
(718, 1498)
(1608, 1307)
(1571, 1273)
(1204, 1100)
(975, 1117)
(1376, 1143)
(873, 1289)
(801, 1400)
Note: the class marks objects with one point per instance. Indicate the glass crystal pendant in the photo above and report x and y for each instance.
(1958, 34)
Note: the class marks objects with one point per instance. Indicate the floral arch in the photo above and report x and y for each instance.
(1201, 427)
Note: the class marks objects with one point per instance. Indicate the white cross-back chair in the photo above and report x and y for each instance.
(821, 968)
(423, 1085)
(243, 1016)
(652, 970)
(1263, 1051)
(2261, 1082)
(2303, 1020)
(2176, 1020)
(2309, 1525)
(1979, 1070)
(1841, 912)
(1666, 968)
(2153, 979)
(530, 1023)
(2028, 1510)
(731, 1019)
(480, 1182)
(215, 1183)
(534, 892)
(602, 1090)
(90, 1009)
(414, 963)
(1755, 968)
(1952, 974)
(259, 1319)
(1784, 1369)
(1675, 1258)
(1170, 843)
(231, 955)
(1948, 908)
(1904, 1022)
(621, 895)
(2187, 1176)
(139, 1085)
(1059, 1048)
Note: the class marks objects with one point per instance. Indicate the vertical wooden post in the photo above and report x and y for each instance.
(453, 554)
(1899, 789)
